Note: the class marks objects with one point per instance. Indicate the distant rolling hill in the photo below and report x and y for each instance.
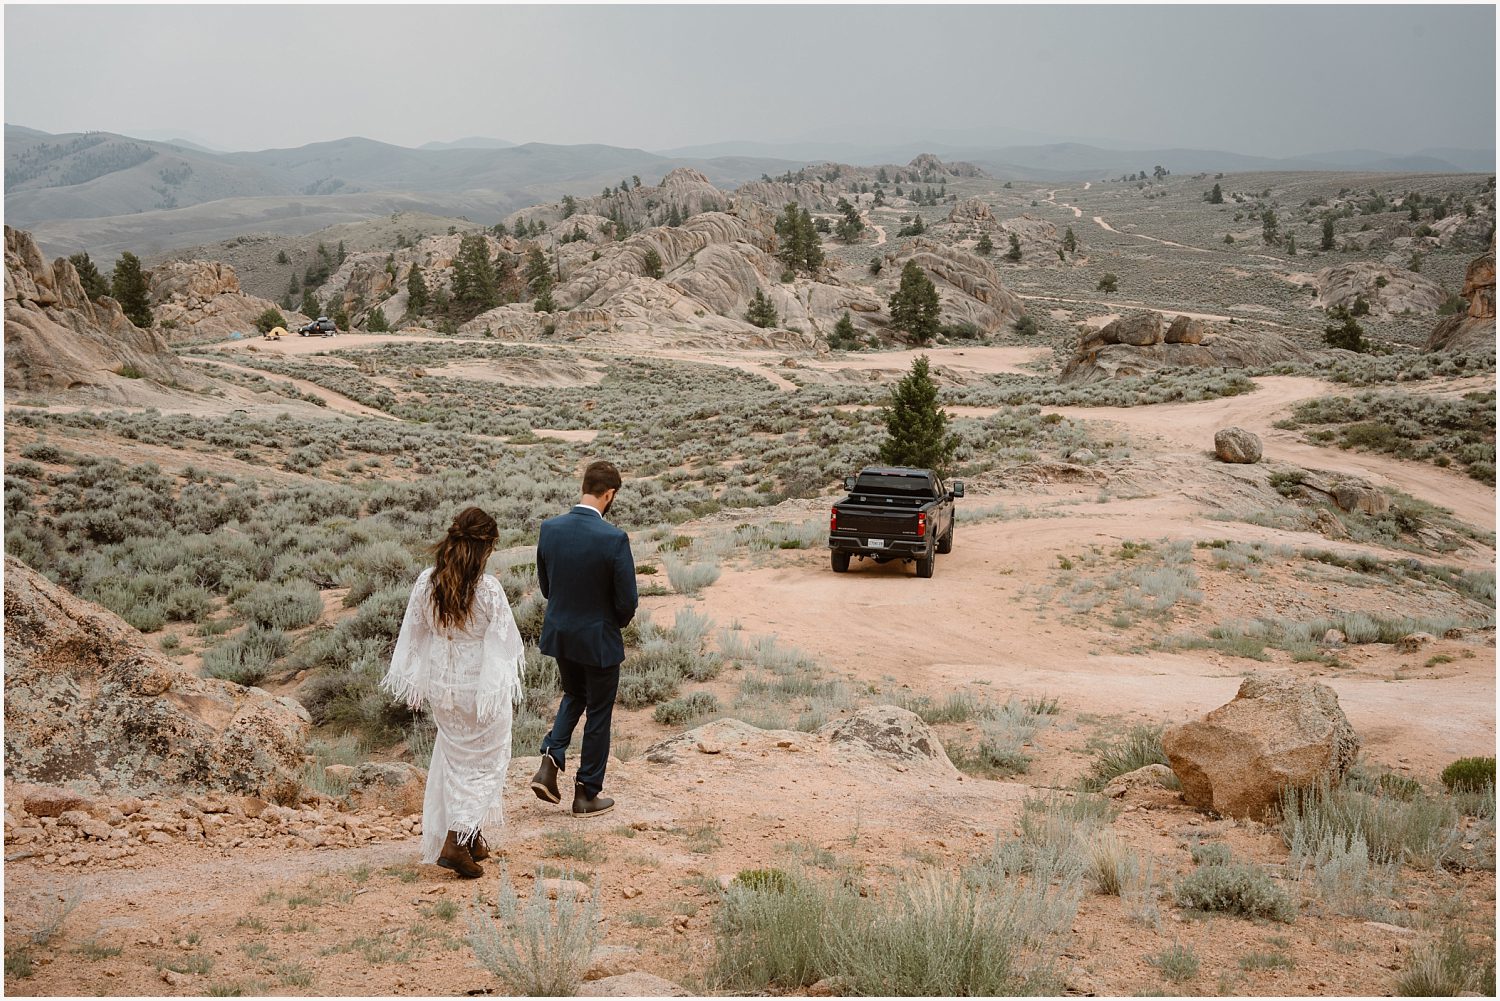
(103, 192)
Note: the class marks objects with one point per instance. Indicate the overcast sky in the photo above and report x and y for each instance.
(1273, 81)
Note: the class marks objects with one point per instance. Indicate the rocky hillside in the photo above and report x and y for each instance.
(1473, 330)
(1143, 343)
(202, 300)
(89, 703)
(56, 338)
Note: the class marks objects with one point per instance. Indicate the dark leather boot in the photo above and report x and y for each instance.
(479, 850)
(456, 857)
(544, 783)
(585, 805)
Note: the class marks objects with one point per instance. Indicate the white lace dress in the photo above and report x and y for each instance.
(469, 679)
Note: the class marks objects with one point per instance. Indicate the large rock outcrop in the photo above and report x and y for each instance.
(1277, 733)
(1388, 290)
(1136, 346)
(90, 704)
(968, 286)
(56, 338)
(1473, 330)
(202, 300)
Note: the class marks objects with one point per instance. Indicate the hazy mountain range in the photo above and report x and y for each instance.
(103, 192)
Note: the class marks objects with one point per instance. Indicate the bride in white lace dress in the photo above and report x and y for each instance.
(460, 655)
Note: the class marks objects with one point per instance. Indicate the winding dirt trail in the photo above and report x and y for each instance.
(1141, 236)
(1051, 199)
(1192, 425)
(336, 401)
(880, 230)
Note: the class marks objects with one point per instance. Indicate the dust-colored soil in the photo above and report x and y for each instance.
(336, 401)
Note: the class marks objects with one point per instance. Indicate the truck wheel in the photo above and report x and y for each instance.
(945, 544)
(924, 564)
(840, 560)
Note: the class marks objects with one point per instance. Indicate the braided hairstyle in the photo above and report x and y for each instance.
(459, 563)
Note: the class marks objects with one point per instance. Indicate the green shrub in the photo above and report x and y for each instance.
(1420, 831)
(539, 948)
(282, 606)
(768, 880)
(1235, 888)
(247, 658)
(691, 707)
(1447, 967)
(1139, 747)
(1469, 775)
(1211, 854)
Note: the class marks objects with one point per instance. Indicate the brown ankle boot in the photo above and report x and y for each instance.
(456, 857)
(478, 849)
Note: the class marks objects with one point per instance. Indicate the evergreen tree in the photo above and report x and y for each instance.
(310, 306)
(851, 226)
(281, 257)
(844, 334)
(1216, 196)
(761, 313)
(876, 264)
(1291, 245)
(674, 218)
(798, 245)
(569, 206)
(416, 291)
(131, 291)
(286, 303)
(1014, 253)
(653, 263)
(499, 230)
(882, 177)
(474, 276)
(94, 284)
(544, 303)
(341, 319)
(914, 305)
(1070, 242)
(917, 432)
(1109, 282)
(1345, 332)
(1269, 226)
(536, 268)
(269, 320)
(376, 322)
(635, 180)
(343, 254)
(985, 246)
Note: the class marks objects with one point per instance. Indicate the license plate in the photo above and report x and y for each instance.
(877, 543)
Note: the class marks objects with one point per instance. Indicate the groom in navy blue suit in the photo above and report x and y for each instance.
(587, 574)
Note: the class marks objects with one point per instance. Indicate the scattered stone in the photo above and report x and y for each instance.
(576, 889)
(888, 732)
(709, 746)
(1186, 330)
(1235, 444)
(1149, 777)
(611, 961)
(339, 773)
(1357, 495)
(630, 892)
(173, 978)
(1278, 732)
(395, 785)
(632, 985)
(1333, 638)
(1412, 642)
(50, 801)
(1393, 929)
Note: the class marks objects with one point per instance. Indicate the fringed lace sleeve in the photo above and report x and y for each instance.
(504, 653)
(409, 677)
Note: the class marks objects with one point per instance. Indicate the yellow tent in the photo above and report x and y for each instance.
(275, 333)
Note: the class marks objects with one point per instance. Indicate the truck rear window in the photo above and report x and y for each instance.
(908, 486)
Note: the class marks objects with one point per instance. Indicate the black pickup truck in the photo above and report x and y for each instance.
(893, 513)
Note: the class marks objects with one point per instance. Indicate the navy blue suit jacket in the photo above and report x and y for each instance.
(587, 575)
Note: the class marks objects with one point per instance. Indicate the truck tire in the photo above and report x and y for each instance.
(840, 560)
(924, 564)
(945, 544)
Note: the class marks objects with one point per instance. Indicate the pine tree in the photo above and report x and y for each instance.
(985, 246)
(761, 313)
(341, 319)
(851, 226)
(917, 432)
(1291, 245)
(269, 320)
(1345, 332)
(286, 303)
(1014, 253)
(343, 254)
(1269, 226)
(94, 284)
(376, 322)
(1070, 242)
(1216, 196)
(310, 306)
(674, 218)
(536, 268)
(914, 306)
(416, 291)
(569, 206)
(653, 263)
(844, 335)
(131, 291)
(1109, 282)
(544, 303)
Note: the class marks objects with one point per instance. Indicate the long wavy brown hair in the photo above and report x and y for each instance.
(459, 562)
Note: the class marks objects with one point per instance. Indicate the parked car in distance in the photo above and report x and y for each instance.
(321, 327)
(893, 513)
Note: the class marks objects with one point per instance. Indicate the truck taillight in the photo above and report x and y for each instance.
(921, 524)
(833, 520)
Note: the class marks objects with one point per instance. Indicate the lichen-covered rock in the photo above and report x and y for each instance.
(1237, 445)
(1185, 330)
(1277, 733)
(1473, 330)
(1098, 359)
(888, 732)
(1156, 776)
(1387, 290)
(90, 704)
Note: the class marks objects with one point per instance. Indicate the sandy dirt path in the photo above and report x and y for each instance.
(1192, 425)
(294, 345)
(975, 361)
(1141, 236)
(336, 401)
(881, 231)
(1051, 199)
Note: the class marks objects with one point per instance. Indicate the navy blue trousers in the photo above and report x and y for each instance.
(588, 694)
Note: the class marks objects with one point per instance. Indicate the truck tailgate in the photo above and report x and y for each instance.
(878, 523)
